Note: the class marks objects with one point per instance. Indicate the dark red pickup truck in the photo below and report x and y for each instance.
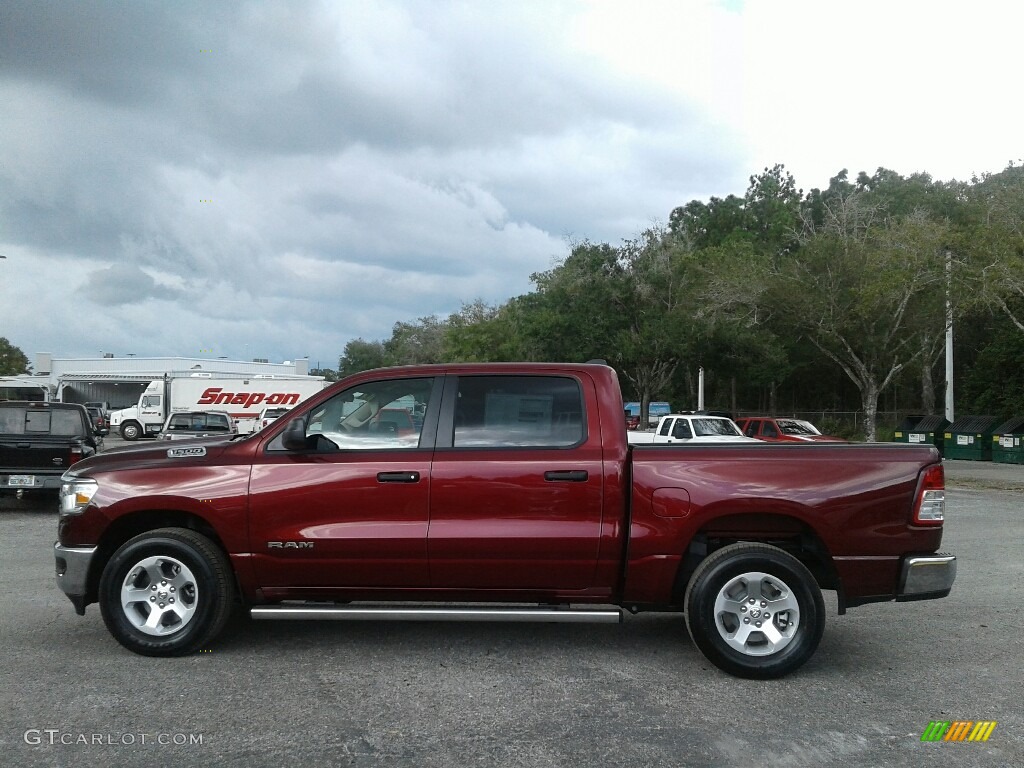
(514, 497)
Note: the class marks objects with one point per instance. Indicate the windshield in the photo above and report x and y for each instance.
(796, 427)
(707, 427)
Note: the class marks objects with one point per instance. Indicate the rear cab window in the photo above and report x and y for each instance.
(198, 422)
(60, 422)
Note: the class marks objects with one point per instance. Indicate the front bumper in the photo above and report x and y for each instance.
(926, 577)
(73, 572)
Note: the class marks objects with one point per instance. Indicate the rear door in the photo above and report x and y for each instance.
(516, 484)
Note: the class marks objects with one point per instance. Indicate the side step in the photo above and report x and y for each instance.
(404, 613)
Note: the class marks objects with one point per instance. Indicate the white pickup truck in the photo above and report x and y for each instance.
(692, 428)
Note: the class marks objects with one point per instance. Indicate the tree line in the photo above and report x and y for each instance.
(832, 300)
(828, 300)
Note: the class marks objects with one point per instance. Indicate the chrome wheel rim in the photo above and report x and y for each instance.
(757, 614)
(159, 596)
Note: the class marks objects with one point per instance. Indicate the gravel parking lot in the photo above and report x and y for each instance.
(376, 694)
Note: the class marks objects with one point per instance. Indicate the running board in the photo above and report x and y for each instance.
(348, 613)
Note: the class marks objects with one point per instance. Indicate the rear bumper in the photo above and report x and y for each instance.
(39, 481)
(72, 565)
(926, 577)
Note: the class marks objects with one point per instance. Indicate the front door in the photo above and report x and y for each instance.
(351, 509)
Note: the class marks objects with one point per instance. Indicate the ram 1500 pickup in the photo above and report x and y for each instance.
(505, 492)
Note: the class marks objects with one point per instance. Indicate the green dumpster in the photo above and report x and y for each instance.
(1008, 441)
(922, 429)
(970, 438)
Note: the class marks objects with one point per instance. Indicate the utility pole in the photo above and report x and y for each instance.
(949, 337)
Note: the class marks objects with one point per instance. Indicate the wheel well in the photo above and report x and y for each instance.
(787, 533)
(129, 526)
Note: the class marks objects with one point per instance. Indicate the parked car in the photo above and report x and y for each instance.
(98, 419)
(270, 415)
(780, 430)
(692, 428)
(198, 424)
(39, 441)
(518, 497)
(397, 421)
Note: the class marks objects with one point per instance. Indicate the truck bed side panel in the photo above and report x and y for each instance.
(857, 498)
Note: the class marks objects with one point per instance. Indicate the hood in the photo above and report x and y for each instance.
(161, 452)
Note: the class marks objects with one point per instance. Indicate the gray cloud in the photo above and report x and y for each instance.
(282, 177)
(126, 284)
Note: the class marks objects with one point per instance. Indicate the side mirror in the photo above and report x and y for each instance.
(294, 436)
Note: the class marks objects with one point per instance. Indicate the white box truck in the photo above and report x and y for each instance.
(243, 397)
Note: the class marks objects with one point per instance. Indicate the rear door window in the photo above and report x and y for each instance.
(518, 412)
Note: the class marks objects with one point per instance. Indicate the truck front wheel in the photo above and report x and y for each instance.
(166, 592)
(754, 611)
(131, 430)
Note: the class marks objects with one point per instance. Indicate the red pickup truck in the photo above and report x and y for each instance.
(516, 497)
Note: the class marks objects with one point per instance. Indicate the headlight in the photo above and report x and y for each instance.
(75, 495)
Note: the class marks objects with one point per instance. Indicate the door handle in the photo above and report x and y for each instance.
(398, 477)
(567, 475)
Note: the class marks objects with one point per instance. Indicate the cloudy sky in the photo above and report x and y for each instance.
(273, 179)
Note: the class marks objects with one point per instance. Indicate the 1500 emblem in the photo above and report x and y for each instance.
(185, 453)
(289, 545)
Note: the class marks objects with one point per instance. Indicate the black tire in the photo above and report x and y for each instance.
(184, 585)
(131, 430)
(734, 635)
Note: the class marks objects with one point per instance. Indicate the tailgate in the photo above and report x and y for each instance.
(21, 455)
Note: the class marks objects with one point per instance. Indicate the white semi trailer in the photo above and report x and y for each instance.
(243, 397)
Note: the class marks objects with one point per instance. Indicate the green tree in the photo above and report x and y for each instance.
(361, 355)
(482, 333)
(984, 385)
(711, 224)
(854, 285)
(773, 203)
(571, 315)
(996, 241)
(655, 305)
(12, 360)
(417, 343)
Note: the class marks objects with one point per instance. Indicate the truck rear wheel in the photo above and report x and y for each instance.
(754, 611)
(166, 592)
(130, 430)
